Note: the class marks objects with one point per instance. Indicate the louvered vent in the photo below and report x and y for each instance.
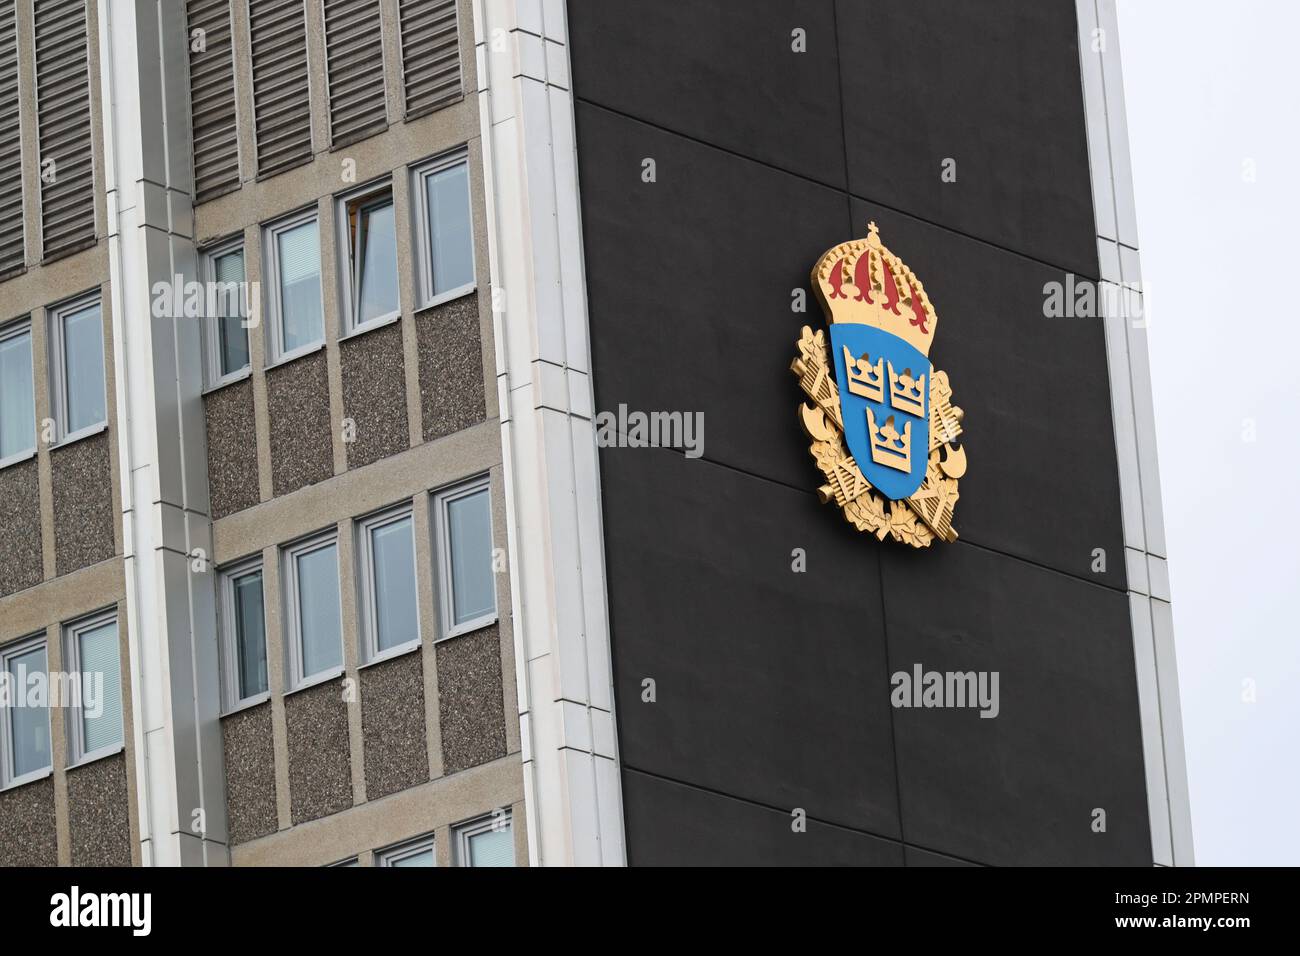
(354, 49)
(11, 180)
(212, 100)
(430, 55)
(63, 127)
(280, 96)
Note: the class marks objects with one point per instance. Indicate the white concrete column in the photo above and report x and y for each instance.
(160, 436)
(566, 702)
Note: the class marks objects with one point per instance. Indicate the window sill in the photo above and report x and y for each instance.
(247, 704)
(401, 650)
(98, 755)
(18, 459)
(235, 379)
(469, 627)
(380, 323)
(77, 436)
(448, 296)
(35, 777)
(290, 357)
(315, 680)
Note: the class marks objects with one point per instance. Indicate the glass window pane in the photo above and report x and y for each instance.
(101, 689)
(250, 634)
(29, 726)
(298, 251)
(451, 244)
(423, 858)
(469, 527)
(17, 399)
(83, 355)
(318, 610)
(492, 848)
(228, 272)
(374, 257)
(392, 553)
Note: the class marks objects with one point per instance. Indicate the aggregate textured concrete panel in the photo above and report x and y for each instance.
(249, 747)
(320, 762)
(392, 725)
(690, 286)
(471, 711)
(302, 451)
(27, 825)
(20, 517)
(83, 503)
(232, 448)
(770, 682)
(720, 72)
(994, 86)
(99, 816)
(1043, 480)
(451, 367)
(374, 394)
(1019, 788)
(673, 824)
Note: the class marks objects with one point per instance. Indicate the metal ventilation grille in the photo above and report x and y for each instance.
(280, 97)
(63, 127)
(212, 100)
(11, 182)
(430, 55)
(354, 50)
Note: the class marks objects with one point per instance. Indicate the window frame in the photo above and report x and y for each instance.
(58, 373)
(420, 173)
(292, 623)
(462, 833)
(8, 779)
(274, 294)
(365, 195)
(440, 499)
(370, 652)
(226, 618)
(407, 848)
(77, 754)
(9, 330)
(208, 257)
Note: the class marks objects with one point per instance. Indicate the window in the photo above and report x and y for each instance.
(293, 261)
(25, 718)
(243, 633)
(390, 616)
(17, 397)
(95, 720)
(227, 333)
(446, 239)
(463, 525)
(370, 273)
(487, 841)
(311, 575)
(77, 367)
(415, 853)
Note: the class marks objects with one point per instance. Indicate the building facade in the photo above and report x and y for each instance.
(312, 335)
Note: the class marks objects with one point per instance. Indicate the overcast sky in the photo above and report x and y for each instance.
(1213, 99)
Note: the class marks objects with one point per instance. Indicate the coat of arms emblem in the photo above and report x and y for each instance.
(883, 427)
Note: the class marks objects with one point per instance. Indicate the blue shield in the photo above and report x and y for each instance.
(884, 385)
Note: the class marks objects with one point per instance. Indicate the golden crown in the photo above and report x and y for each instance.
(862, 281)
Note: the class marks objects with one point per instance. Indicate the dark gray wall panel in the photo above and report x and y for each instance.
(248, 745)
(689, 286)
(232, 448)
(994, 85)
(1021, 787)
(320, 761)
(374, 395)
(392, 725)
(672, 824)
(918, 857)
(720, 71)
(83, 503)
(770, 684)
(27, 825)
(21, 564)
(302, 451)
(99, 816)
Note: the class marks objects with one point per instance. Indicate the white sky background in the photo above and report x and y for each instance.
(1211, 88)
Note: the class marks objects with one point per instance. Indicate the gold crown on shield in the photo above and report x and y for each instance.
(862, 281)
